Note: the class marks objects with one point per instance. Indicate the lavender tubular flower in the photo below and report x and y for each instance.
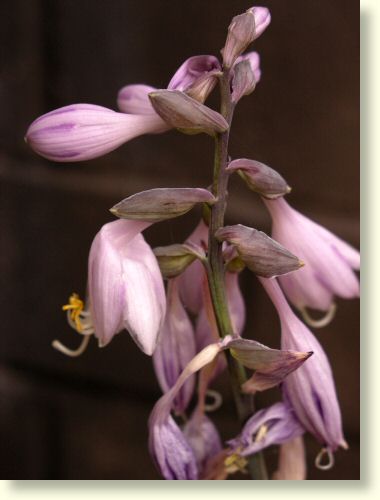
(84, 131)
(125, 285)
(192, 70)
(175, 348)
(329, 262)
(274, 425)
(310, 390)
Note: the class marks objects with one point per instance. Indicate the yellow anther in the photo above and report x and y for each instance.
(75, 306)
(262, 432)
(235, 463)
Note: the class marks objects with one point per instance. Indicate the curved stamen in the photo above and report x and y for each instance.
(325, 452)
(73, 353)
(216, 403)
(319, 323)
(85, 321)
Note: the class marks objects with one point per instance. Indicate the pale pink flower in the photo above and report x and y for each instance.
(329, 261)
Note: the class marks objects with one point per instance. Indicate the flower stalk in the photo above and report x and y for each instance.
(215, 269)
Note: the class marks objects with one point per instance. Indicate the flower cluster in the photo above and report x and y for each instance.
(194, 323)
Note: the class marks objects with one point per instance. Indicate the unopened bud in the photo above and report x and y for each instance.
(187, 114)
(161, 204)
(174, 259)
(260, 253)
(242, 31)
(260, 178)
(243, 81)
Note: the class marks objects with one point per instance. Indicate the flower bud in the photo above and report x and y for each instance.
(242, 31)
(243, 81)
(186, 114)
(260, 178)
(84, 131)
(174, 259)
(160, 204)
(262, 255)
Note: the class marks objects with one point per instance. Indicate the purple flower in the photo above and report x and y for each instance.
(84, 131)
(274, 425)
(125, 285)
(310, 389)
(329, 261)
(175, 348)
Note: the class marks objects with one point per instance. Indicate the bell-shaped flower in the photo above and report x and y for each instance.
(310, 390)
(329, 262)
(84, 131)
(175, 348)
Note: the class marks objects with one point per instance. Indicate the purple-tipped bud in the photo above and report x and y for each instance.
(243, 81)
(160, 204)
(310, 390)
(174, 259)
(242, 31)
(84, 131)
(262, 255)
(125, 285)
(186, 114)
(329, 261)
(262, 19)
(260, 178)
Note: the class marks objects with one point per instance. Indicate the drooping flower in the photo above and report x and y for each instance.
(164, 434)
(81, 132)
(310, 390)
(125, 288)
(329, 262)
(175, 348)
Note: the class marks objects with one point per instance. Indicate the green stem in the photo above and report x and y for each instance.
(244, 403)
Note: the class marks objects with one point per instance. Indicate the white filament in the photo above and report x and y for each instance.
(319, 323)
(321, 455)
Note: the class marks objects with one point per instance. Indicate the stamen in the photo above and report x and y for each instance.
(262, 432)
(321, 455)
(73, 353)
(235, 463)
(319, 323)
(75, 308)
(216, 403)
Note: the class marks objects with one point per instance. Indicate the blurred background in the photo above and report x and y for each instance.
(86, 418)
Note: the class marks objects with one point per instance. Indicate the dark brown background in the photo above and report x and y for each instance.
(87, 418)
